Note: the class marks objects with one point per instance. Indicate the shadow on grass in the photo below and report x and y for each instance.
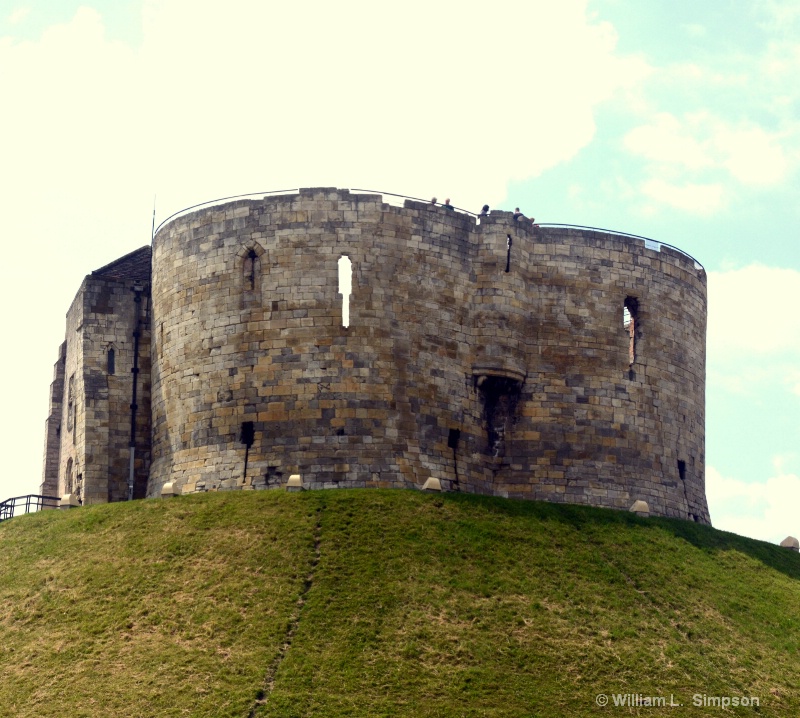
(705, 538)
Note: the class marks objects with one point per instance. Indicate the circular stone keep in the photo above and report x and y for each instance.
(532, 362)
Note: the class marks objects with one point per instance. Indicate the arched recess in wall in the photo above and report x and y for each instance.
(249, 270)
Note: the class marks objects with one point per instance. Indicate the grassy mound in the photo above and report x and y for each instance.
(388, 603)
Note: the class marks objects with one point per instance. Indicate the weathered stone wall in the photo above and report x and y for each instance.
(111, 313)
(72, 454)
(517, 383)
(52, 430)
(89, 426)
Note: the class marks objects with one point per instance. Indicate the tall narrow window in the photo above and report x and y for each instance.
(68, 484)
(247, 436)
(250, 267)
(630, 322)
(345, 287)
(250, 270)
(111, 360)
(71, 403)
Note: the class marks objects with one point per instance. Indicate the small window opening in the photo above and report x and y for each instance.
(682, 469)
(72, 408)
(68, 482)
(250, 278)
(247, 435)
(630, 322)
(111, 361)
(452, 438)
(509, 242)
(345, 287)
(70, 403)
(250, 270)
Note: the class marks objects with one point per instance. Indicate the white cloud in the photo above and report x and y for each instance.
(18, 15)
(779, 16)
(752, 311)
(728, 120)
(666, 140)
(705, 76)
(265, 96)
(694, 198)
(766, 510)
(753, 339)
(268, 95)
(695, 30)
(751, 155)
(745, 376)
(442, 104)
(698, 144)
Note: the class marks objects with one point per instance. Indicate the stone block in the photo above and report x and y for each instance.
(169, 490)
(791, 543)
(432, 484)
(295, 483)
(69, 501)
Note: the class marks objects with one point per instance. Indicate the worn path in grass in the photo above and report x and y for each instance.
(388, 603)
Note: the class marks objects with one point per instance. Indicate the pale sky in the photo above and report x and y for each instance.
(673, 119)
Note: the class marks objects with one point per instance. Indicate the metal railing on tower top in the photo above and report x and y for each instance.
(653, 244)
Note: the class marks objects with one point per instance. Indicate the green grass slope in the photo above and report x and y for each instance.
(388, 603)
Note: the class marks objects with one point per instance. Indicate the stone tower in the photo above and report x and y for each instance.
(531, 362)
(88, 433)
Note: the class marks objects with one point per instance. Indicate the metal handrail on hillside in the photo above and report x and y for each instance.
(649, 243)
(27, 504)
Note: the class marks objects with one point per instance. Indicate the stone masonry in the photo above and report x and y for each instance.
(501, 358)
(88, 430)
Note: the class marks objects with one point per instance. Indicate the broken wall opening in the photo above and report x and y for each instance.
(499, 396)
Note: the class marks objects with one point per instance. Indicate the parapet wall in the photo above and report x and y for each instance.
(518, 383)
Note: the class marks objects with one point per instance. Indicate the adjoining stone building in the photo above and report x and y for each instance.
(547, 363)
(88, 430)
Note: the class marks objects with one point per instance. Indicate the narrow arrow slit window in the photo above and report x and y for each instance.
(345, 287)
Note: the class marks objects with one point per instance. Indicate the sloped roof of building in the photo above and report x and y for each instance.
(133, 266)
